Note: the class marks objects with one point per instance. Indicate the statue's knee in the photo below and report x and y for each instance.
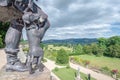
(12, 40)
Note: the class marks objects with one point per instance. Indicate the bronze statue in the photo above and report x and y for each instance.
(28, 15)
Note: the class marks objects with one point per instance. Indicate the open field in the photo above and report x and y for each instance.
(68, 74)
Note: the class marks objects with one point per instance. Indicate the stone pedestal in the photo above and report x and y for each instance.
(45, 75)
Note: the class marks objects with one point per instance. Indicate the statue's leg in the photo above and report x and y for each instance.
(35, 35)
(12, 40)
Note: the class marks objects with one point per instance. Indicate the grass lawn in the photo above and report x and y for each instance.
(111, 63)
(68, 74)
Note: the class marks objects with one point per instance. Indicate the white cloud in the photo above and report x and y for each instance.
(81, 18)
(79, 31)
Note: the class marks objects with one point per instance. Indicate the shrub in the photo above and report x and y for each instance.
(68, 66)
(56, 69)
(3, 29)
(86, 62)
(44, 60)
(77, 59)
(114, 71)
(1, 43)
(62, 57)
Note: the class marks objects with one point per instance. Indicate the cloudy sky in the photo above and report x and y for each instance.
(81, 18)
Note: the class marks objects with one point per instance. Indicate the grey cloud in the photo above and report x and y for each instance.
(78, 15)
(85, 14)
(62, 4)
(76, 32)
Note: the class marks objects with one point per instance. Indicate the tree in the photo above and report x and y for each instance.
(62, 57)
(114, 51)
(102, 41)
(1, 43)
(87, 49)
(78, 50)
(94, 47)
(114, 40)
(113, 47)
(108, 47)
(42, 45)
(102, 45)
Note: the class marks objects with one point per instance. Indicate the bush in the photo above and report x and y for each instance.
(56, 69)
(68, 66)
(62, 57)
(86, 62)
(77, 50)
(1, 43)
(114, 71)
(3, 29)
(44, 60)
(50, 54)
(77, 59)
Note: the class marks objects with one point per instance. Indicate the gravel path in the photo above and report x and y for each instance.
(51, 65)
(2, 58)
(98, 76)
(94, 74)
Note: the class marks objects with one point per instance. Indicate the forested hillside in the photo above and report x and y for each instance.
(72, 41)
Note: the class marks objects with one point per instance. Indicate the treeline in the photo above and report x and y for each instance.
(104, 47)
(72, 41)
(3, 30)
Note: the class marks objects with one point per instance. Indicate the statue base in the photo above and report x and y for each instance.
(45, 75)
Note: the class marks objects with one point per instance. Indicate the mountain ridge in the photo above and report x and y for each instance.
(71, 41)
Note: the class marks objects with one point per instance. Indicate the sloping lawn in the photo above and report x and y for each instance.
(68, 74)
(104, 64)
(111, 63)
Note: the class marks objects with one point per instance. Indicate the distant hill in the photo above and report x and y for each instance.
(71, 41)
